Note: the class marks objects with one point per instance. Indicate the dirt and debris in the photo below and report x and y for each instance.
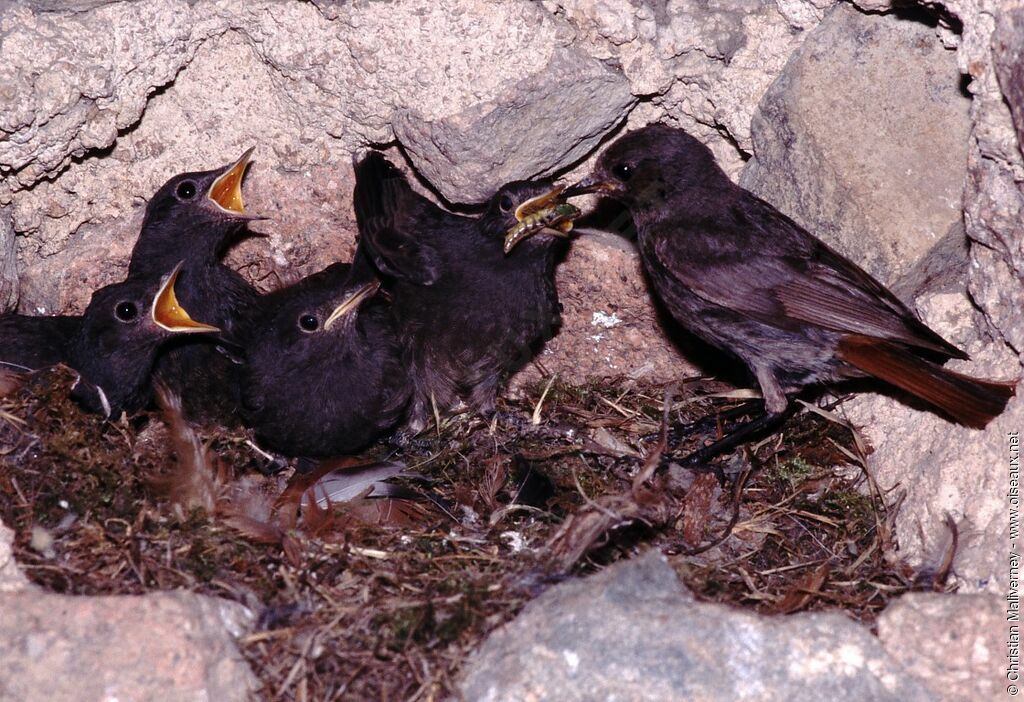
(450, 533)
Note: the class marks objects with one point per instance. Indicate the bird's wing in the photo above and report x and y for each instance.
(781, 275)
(387, 212)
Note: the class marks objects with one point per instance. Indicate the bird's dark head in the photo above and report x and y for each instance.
(121, 332)
(300, 323)
(204, 203)
(514, 202)
(500, 214)
(649, 167)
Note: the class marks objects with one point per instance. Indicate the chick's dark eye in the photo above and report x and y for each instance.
(126, 311)
(623, 171)
(309, 323)
(186, 190)
(505, 203)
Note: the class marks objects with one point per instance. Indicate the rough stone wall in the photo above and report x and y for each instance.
(886, 133)
(947, 469)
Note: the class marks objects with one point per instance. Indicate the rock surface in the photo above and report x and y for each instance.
(167, 646)
(703, 65)
(955, 645)
(994, 196)
(542, 123)
(632, 632)
(8, 264)
(1008, 49)
(947, 469)
(864, 137)
(609, 328)
(100, 102)
(11, 577)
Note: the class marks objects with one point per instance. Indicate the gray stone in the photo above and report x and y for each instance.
(955, 645)
(946, 469)
(11, 577)
(632, 632)
(1008, 57)
(541, 124)
(704, 65)
(609, 328)
(8, 263)
(943, 269)
(863, 139)
(994, 196)
(163, 646)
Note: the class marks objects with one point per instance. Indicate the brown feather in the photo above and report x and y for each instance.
(969, 401)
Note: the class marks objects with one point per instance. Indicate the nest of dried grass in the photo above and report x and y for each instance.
(383, 597)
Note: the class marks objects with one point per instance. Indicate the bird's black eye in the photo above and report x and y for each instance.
(505, 203)
(309, 323)
(623, 171)
(126, 311)
(186, 190)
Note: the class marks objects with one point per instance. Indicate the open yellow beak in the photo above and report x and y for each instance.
(351, 302)
(168, 313)
(226, 191)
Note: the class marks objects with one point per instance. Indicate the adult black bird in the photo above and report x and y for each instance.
(193, 219)
(118, 339)
(747, 279)
(467, 313)
(29, 343)
(322, 374)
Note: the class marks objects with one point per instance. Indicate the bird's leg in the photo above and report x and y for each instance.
(775, 400)
(767, 422)
(778, 409)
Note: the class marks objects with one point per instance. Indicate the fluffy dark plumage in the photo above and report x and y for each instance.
(467, 314)
(183, 223)
(749, 280)
(318, 392)
(30, 343)
(115, 347)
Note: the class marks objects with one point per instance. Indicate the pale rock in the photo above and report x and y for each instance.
(11, 577)
(804, 14)
(954, 645)
(8, 263)
(946, 469)
(542, 124)
(704, 65)
(1008, 51)
(633, 632)
(161, 646)
(864, 138)
(602, 276)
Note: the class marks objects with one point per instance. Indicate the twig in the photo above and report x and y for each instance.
(654, 458)
(535, 419)
(727, 532)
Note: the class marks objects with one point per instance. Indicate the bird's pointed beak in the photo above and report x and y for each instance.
(592, 184)
(547, 211)
(351, 302)
(168, 314)
(226, 191)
